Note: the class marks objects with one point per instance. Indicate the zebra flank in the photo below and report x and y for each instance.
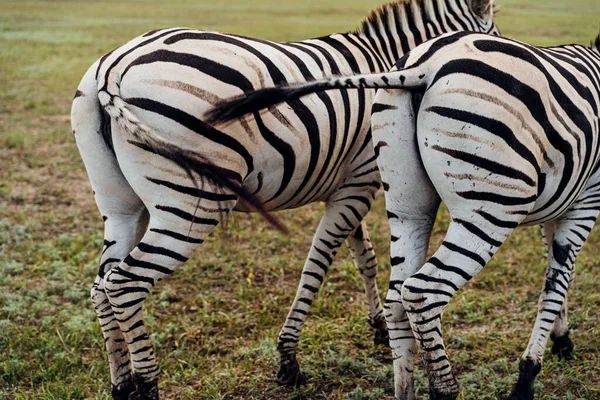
(164, 175)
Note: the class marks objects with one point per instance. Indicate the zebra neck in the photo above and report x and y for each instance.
(395, 28)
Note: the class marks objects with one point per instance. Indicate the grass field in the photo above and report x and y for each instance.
(214, 323)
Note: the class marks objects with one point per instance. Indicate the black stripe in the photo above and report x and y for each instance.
(147, 248)
(397, 261)
(133, 262)
(467, 253)
(498, 222)
(176, 235)
(378, 107)
(192, 191)
(496, 198)
(484, 163)
(478, 232)
(440, 265)
(288, 155)
(187, 216)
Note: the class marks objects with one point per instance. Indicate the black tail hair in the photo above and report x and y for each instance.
(236, 107)
(192, 162)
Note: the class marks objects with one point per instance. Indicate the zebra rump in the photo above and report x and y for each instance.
(193, 163)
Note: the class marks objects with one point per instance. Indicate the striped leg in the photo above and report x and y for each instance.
(412, 203)
(410, 238)
(366, 264)
(343, 214)
(122, 232)
(125, 220)
(562, 345)
(468, 246)
(570, 232)
(167, 244)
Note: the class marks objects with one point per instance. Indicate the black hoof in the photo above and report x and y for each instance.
(144, 390)
(123, 390)
(523, 390)
(562, 347)
(435, 395)
(381, 336)
(289, 372)
(451, 386)
(520, 394)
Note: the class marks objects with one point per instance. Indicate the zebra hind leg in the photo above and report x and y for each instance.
(122, 232)
(366, 264)
(570, 232)
(465, 250)
(167, 245)
(409, 242)
(125, 219)
(343, 214)
(562, 346)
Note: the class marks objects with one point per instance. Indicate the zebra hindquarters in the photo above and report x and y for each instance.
(489, 188)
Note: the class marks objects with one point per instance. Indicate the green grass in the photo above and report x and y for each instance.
(215, 322)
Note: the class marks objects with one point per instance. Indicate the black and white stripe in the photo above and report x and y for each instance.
(155, 91)
(506, 134)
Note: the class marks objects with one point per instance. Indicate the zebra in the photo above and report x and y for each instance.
(505, 134)
(163, 178)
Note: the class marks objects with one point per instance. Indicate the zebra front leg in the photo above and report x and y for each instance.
(570, 232)
(165, 247)
(562, 345)
(342, 216)
(366, 264)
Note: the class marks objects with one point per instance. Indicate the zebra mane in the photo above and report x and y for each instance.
(381, 13)
(595, 45)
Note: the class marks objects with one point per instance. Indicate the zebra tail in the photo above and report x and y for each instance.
(236, 107)
(193, 163)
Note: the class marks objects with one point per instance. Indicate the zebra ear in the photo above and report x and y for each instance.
(482, 8)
